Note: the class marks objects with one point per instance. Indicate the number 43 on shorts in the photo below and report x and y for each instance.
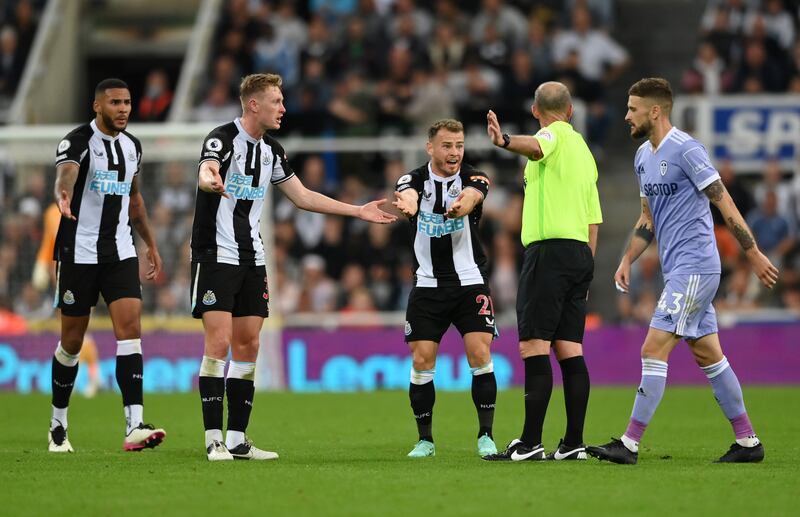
(675, 305)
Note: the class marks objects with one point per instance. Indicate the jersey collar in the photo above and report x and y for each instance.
(102, 135)
(672, 130)
(242, 131)
(441, 178)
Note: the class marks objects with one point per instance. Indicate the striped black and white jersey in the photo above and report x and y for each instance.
(447, 252)
(107, 165)
(226, 230)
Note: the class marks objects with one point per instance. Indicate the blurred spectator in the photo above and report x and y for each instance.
(32, 305)
(600, 58)
(288, 26)
(446, 50)
(354, 106)
(770, 229)
(318, 292)
(774, 182)
(538, 44)
(10, 64)
(406, 11)
(356, 52)
(734, 12)
(157, 97)
(218, 106)
(430, 100)
(757, 66)
(508, 21)
(274, 54)
(708, 73)
(448, 11)
(778, 22)
(602, 11)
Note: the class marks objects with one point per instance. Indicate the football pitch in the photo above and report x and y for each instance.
(344, 454)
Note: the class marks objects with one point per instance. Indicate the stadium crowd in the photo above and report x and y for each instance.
(373, 67)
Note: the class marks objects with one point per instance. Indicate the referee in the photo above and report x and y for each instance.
(560, 215)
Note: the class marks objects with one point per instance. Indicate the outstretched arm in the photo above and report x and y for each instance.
(312, 201)
(762, 267)
(525, 145)
(643, 234)
(138, 216)
(465, 203)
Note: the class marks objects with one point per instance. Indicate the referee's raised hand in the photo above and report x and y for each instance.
(493, 128)
(64, 202)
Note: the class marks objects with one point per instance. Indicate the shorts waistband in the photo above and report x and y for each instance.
(559, 242)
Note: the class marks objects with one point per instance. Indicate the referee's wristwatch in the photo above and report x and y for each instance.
(506, 140)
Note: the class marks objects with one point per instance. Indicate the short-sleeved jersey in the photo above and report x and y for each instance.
(226, 230)
(447, 252)
(672, 178)
(561, 198)
(107, 165)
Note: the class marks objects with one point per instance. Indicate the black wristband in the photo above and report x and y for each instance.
(506, 140)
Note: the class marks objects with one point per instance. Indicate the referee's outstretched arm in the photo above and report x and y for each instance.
(525, 145)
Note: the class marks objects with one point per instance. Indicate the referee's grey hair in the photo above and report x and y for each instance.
(552, 97)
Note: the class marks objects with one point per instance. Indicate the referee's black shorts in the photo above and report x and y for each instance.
(553, 286)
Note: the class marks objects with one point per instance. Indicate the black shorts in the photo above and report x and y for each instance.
(431, 310)
(553, 286)
(240, 290)
(78, 286)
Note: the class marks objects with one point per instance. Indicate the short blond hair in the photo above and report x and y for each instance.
(448, 124)
(256, 83)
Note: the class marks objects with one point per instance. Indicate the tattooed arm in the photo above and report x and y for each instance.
(643, 234)
(762, 267)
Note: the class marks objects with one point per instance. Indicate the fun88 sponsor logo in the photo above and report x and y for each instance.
(435, 225)
(240, 186)
(105, 182)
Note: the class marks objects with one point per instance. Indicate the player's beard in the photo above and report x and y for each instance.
(642, 131)
(111, 124)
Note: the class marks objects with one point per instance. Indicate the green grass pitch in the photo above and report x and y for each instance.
(344, 454)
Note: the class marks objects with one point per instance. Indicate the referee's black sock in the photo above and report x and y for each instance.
(484, 396)
(576, 397)
(538, 386)
(423, 396)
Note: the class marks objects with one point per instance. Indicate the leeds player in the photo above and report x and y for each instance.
(676, 182)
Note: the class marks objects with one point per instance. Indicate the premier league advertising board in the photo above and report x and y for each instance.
(373, 359)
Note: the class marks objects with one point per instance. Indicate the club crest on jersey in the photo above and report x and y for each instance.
(662, 167)
(131, 156)
(214, 144)
(69, 298)
(209, 298)
(265, 159)
(426, 194)
(63, 146)
(408, 329)
(454, 190)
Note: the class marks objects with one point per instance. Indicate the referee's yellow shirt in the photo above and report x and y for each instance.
(561, 199)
